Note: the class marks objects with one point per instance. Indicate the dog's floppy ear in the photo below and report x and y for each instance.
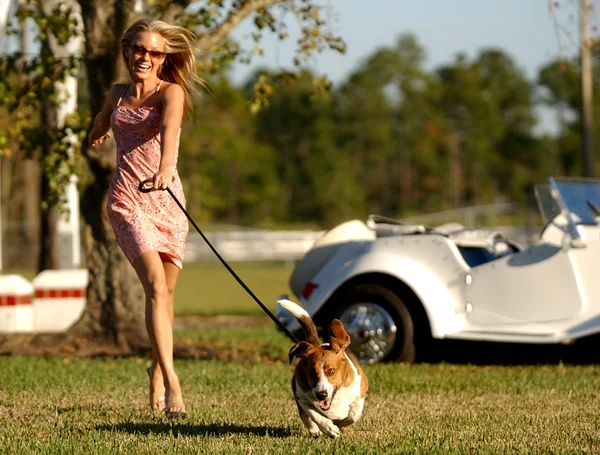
(299, 349)
(338, 338)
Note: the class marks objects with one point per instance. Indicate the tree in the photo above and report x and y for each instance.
(391, 124)
(114, 312)
(516, 153)
(32, 89)
(366, 134)
(425, 141)
(488, 105)
(316, 176)
(228, 174)
(419, 127)
(560, 82)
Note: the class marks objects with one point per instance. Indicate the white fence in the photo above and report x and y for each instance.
(263, 245)
(253, 245)
(234, 245)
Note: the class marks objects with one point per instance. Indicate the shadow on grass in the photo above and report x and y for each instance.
(188, 429)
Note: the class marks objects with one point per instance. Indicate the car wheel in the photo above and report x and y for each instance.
(379, 324)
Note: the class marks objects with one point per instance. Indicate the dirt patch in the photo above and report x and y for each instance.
(61, 344)
(68, 345)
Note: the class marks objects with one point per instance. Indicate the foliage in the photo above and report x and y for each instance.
(33, 85)
(489, 105)
(30, 89)
(316, 180)
(213, 19)
(560, 81)
(228, 174)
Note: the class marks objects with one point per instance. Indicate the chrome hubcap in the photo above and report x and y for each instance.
(372, 330)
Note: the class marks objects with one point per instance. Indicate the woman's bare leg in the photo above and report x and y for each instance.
(175, 402)
(157, 385)
(159, 309)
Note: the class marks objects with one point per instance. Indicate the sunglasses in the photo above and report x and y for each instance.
(141, 50)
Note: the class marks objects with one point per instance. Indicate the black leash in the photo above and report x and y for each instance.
(145, 189)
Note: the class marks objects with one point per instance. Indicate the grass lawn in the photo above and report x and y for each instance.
(207, 288)
(242, 403)
(98, 406)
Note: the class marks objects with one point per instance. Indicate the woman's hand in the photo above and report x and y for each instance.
(162, 179)
(100, 140)
(100, 129)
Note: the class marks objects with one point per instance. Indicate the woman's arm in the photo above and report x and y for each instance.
(173, 105)
(101, 125)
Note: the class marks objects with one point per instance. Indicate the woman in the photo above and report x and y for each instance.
(145, 117)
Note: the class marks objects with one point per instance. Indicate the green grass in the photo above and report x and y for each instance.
(209, 289)
(98, 406)
(242, 403)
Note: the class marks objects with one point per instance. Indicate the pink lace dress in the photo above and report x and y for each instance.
(144, 221)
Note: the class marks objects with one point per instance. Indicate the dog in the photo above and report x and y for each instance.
(329, 384)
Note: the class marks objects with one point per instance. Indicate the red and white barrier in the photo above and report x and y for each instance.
(59, 301)
(16, 312)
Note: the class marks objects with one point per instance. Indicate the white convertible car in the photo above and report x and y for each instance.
(396, 286)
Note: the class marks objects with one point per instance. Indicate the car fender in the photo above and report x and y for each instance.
(439, 292)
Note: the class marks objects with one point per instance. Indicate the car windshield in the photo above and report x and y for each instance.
(575, 194)
(548, 206)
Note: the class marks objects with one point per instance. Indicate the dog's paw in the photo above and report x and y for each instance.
(354, 412)
(331, 430)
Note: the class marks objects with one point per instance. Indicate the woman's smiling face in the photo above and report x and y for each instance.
(145, 55)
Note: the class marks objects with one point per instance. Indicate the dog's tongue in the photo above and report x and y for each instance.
(325, 404)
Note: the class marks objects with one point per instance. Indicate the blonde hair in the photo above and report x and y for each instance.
(179, 66)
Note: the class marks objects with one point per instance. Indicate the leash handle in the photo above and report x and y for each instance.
(147, 186)
(143, 187)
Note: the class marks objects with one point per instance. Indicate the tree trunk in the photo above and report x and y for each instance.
(455, 167)
(406, 198)
(234, 203)
(115, 300)
(48, 254)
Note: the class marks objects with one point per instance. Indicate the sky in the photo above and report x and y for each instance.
(525, 29)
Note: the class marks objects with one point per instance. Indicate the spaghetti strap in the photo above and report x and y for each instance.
(122, 95)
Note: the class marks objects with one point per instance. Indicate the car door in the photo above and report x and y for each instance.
(535, 285)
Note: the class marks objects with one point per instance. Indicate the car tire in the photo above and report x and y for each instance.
(367, 312)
